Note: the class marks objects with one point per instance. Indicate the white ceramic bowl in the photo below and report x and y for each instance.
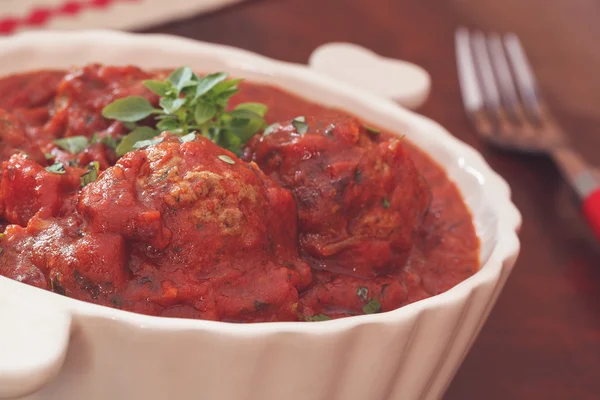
(52, 347)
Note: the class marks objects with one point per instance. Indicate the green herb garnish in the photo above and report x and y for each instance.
(129, 109)
(91, 173)
(385, 203)
(139, 134)
(372, 307)
(188, 138)
(300, 125)
(146, 143)
(226, 159)
(189, 103)
(371, 129)
(57, 168)
(271, 128)
(108, 141)
(49, 156)
(72, 144)
(317, 317)
(363, 293)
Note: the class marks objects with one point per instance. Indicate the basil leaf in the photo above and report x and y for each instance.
(130, 125)
(226, 159)
(225, 85)
(204, 112)
(229, 140)
(300, 125)
(158, 87)
(142, 144)
(57, 168)
(372, 307)
(49, 156)
(128, 109)
(181, 78)
(171, 106)
(257, 108)
(109, 142)
(91, 174)
(188, 138)
(170, 124)
(271, 128)
(317, 317)
(72, 144)
(223, 98)
(138, 134)
(245, 114)
(245, 128)
(208, 82)
(214, 134)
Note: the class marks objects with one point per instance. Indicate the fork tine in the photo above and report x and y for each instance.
(484, 66)
(469, 86)
(528, 87)
(506, 85)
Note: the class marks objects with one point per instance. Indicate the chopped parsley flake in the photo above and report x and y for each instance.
(317, 317)
(372, 307)
(385, 203)
(91, 174)
(300, 125)
(226, 159)
(371, 129)
(363, 293)
(57, 168)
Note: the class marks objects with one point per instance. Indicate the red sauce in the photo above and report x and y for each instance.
(317, 223)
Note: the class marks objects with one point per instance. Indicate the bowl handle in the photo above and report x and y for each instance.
(34, 336)
(404, 82)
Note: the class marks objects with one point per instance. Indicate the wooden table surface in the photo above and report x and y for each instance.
(542, 340)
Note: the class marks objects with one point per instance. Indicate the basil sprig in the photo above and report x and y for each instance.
(189, 103)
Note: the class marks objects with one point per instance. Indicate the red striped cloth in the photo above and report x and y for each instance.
(38, 16)
(22, 15)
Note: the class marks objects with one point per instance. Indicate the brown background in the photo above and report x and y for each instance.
(542, 341)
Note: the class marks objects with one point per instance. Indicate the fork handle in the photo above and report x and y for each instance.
(591, 210)
(584, 180)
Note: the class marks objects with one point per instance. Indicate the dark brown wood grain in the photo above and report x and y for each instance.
(542, 341)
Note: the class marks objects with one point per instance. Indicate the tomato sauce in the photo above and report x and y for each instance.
(337, 221)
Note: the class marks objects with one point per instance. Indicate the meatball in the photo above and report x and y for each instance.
(84, 92)
(361, 201)
(177, 229)
(14, 138)
(29, 90)
(27, 189)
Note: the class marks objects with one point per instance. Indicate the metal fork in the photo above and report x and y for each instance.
(501, 97)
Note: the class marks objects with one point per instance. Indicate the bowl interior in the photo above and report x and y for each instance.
(486, 195)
